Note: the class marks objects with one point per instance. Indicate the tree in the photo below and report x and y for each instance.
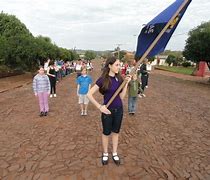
(89, 55)
(198, 43)
(20, 49)
(171, 59)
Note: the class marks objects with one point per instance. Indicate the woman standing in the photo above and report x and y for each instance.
(144, 76)
(51, 72)
(111, 116)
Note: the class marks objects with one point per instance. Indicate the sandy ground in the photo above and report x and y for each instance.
(168, 138)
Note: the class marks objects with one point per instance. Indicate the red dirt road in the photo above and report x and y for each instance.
(168, 138)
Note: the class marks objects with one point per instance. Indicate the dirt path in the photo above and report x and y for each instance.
(13, 82)
(169, 138)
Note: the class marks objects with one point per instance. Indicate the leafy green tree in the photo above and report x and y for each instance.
(89, 55)
(20, 49)
(3, 50)
(11, 26)
(198, 43)
(171, 59)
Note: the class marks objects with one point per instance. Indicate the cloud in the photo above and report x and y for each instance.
(100, 25)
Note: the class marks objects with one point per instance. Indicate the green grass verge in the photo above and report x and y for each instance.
(176, 69)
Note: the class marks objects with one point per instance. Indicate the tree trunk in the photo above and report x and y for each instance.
(196, 69)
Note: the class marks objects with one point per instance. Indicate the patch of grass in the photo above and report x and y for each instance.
(177, 69)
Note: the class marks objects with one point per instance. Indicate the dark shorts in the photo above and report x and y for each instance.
(112, 122)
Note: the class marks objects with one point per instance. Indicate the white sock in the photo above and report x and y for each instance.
(115, 156)
(105, 156)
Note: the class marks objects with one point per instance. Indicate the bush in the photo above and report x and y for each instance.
(186, 64)
(4, 69)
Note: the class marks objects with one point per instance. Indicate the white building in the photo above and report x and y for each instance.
(161, 59)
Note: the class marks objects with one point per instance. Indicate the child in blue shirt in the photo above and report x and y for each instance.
(83, 85)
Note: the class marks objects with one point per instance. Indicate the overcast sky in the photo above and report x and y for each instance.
(100, 24)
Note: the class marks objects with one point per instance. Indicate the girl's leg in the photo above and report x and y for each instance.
(143, 80)
(116, 125)
(115, 157)
(54, 85)
(41, 101)
(107, 129)
(134, 104)
(46, 106)
(51, 84)
(85, 109)
(105, 155)
(82, 109)
(105, 143)
(129, 104)
(115, 137)
(86, 101)
(147, 79)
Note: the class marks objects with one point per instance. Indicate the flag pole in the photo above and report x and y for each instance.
(148, 50)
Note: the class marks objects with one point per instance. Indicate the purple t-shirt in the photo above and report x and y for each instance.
(115, 84)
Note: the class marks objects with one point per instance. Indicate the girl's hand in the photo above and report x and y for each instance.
(104, 109)
(35, 94)
(128, 78)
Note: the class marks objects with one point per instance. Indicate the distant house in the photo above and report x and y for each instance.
(160, 60)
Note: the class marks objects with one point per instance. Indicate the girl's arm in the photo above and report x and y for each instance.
(90, 93)
(78, 86)
(34, 86)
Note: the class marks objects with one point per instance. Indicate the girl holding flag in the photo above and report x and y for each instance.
(111, 116)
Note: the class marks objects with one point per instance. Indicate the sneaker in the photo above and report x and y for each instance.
(146, 86)
(143, 95)
(41, 114)
(85, 113)
(50, 95)
(45, 113)
(140, 96)
(82, 113)
(55, 95)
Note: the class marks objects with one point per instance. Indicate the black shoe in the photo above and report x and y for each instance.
(41, 114)
(45, 113)
(117, 162)
(104, 162)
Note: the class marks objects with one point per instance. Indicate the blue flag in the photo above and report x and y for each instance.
(154, 27)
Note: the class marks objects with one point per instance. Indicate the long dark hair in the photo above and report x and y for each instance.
(105, 75)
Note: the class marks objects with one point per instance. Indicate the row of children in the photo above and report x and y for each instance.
(44, 85)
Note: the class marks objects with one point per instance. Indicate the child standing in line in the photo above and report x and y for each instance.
(41, 87)
(133, 88)
(83, 85)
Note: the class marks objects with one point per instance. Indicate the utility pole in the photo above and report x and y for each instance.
(118, 50)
